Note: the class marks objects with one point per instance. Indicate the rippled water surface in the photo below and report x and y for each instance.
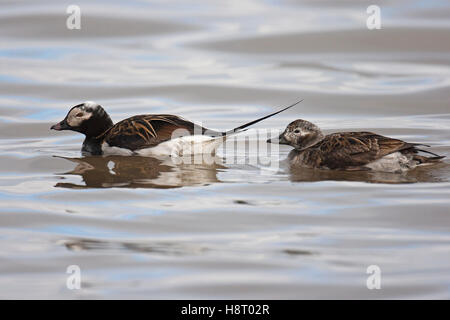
(146, 228)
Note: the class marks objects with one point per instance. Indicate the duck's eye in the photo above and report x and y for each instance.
(297, 131)
(79, 115)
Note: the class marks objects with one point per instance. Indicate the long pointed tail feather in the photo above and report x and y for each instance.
(429, 152)
(242, 127)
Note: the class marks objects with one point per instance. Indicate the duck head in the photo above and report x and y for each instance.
(299, 134)
(88, 118)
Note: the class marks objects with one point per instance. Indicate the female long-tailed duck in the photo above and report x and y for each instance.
(145, 135)
(350, 150)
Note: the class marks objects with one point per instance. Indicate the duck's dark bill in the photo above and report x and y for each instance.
(280, 140)
(60, 126)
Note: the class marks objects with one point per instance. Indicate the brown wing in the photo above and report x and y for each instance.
(353, 149)
(146, 131)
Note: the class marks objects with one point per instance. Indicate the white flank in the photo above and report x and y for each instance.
(178, 147)
(393, 162)
(109, 151)
(188, 145)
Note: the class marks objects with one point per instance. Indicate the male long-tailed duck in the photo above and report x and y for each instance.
(350, 150)
(145, 135)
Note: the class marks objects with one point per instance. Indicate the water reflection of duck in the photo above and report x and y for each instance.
(438, 173)
(138, 172)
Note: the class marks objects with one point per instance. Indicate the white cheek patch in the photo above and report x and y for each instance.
(75, 121)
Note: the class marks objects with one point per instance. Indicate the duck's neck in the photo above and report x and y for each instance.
(93, 130)
(310, 141)
(92, 146)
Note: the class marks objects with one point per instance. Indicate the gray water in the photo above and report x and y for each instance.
(146, 228)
